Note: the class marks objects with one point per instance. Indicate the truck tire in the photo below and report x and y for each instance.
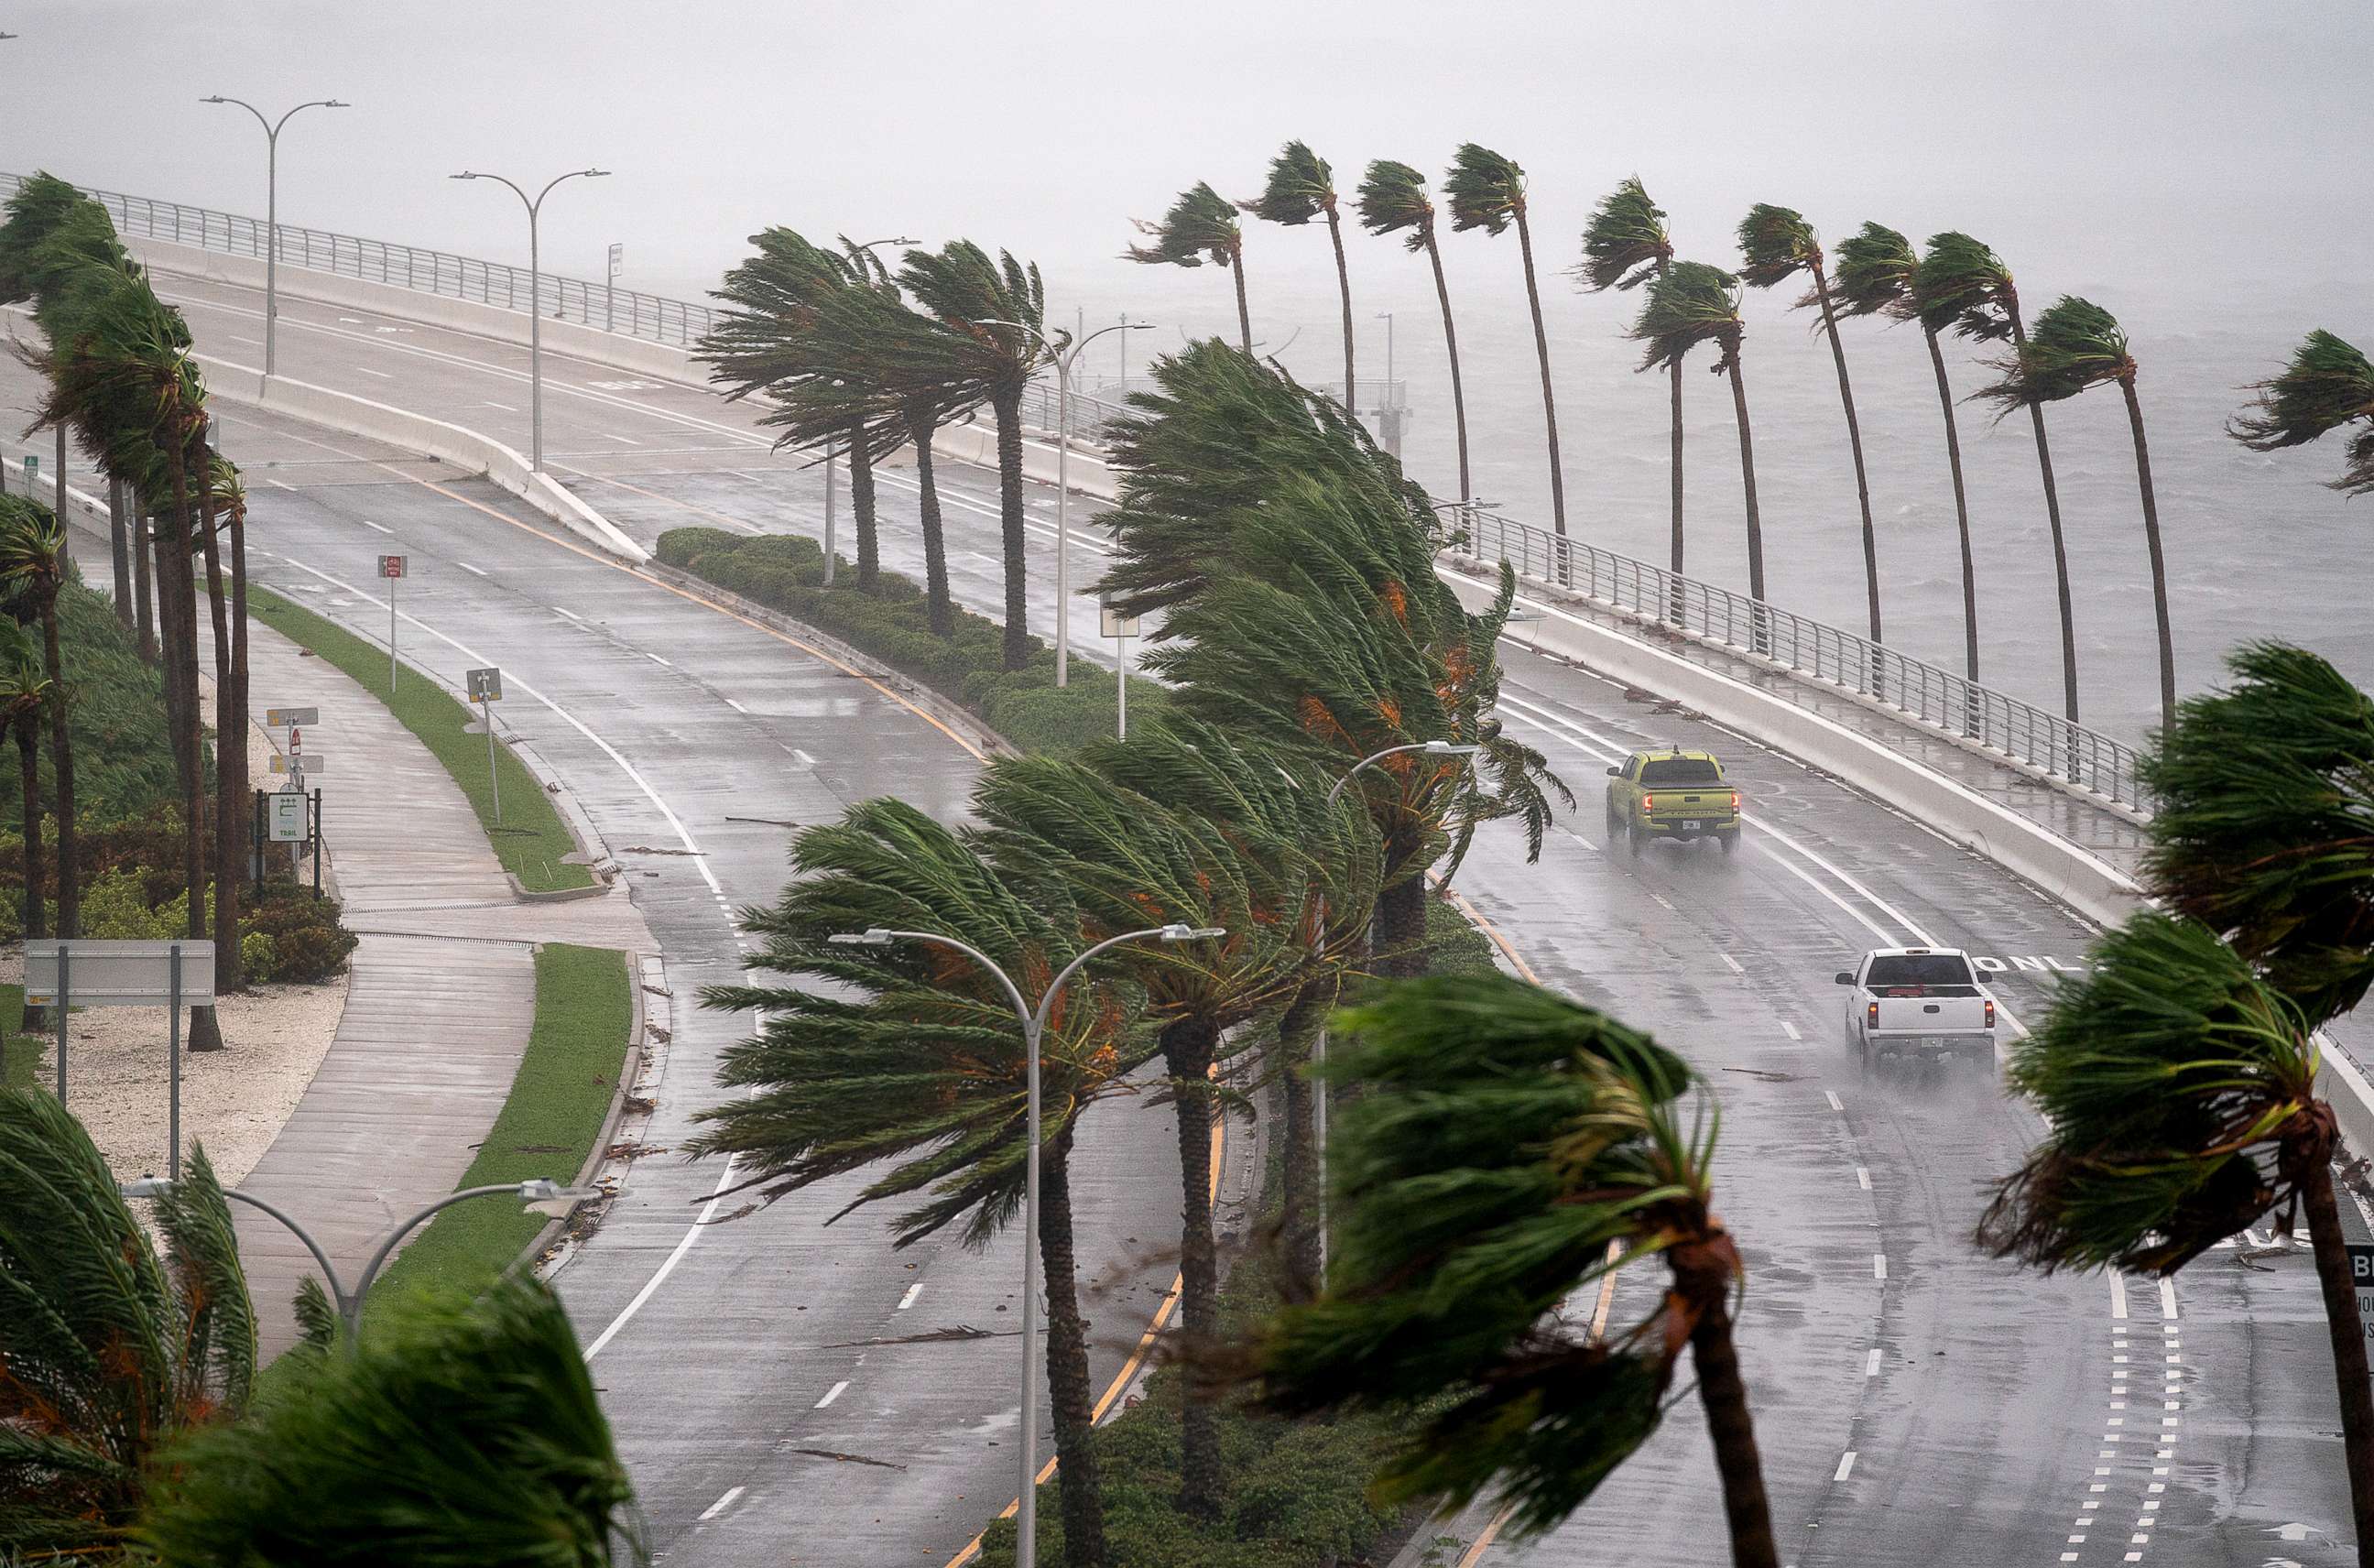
(1637, 837)
(1730, 841)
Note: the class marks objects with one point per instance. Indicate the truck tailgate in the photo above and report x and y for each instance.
(1930, 1015)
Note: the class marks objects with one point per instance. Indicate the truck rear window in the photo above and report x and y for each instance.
(1680, 771)
(1894, 970)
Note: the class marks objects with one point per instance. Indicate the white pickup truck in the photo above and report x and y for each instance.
(1919, 1005)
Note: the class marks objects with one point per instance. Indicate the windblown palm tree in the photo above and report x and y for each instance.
(1694, 303)
(107, 1352)
(1961, 275)
(2077, 345)
(460, 1430)
(1777, 244)
(1486, 191)
(32, 571)
(1512, 1149)
(2328, 384)
(1201, 226)
(915, 1058)
(1623, 245)
(1393, 200)
(226, 497)
(1301, 187)
(965, 291)
(1878, 275)
(24, 699)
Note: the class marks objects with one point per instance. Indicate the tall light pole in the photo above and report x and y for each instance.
(541, 1194)
(272, 211)
(1034, 1024)
(534, 205)
(868, 248)
(1319, 1046)
(1064, 358)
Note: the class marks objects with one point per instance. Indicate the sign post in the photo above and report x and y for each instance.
(486, 691)
(66, 974)
(392, 568)
(1121, 629)
(610, 290)
(32, 472)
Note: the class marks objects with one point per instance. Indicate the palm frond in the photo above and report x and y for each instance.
(1301, 187)
(1875, 273)
(1691, 304)
(1965, 286)
(1775, 244)
(1394, 200)
(1625, 242)
(1483, 190)
(2075, 345)
(1201, 226)
(2328, 384)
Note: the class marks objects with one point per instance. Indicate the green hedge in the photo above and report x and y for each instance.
(20, 1055)
(889, 622)
(123, 755)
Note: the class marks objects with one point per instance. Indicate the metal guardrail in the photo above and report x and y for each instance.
(627, 312)
(2069, 753)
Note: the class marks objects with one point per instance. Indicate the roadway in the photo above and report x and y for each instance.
(1916, 1401)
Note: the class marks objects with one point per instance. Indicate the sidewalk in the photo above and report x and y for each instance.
(441, 991)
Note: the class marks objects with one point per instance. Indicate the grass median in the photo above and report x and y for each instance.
(531, 839)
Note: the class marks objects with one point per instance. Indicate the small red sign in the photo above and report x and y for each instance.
(391, 566)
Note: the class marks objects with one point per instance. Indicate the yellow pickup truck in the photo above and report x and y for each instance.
(1671, 795)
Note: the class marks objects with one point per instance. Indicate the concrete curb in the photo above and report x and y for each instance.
(629, 1066)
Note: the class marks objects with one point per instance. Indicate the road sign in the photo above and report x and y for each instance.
(391, 566)
(286, 817)
(284, 718)
(301, 763)
(486, 684)
(2361, 1265)
(32, 472)
(119, 974)
(1114, 623)
(618, 254)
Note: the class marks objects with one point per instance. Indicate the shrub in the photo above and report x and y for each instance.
(259, 956)
(309, 942)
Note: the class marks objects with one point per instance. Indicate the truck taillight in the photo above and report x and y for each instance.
(1734, 803)
(1872, 1014)
(1648, 803)
(1991, 1012)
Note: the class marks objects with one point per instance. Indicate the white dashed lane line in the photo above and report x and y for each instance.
(1879, 1265)
(720, 1505)
(1871, 1364)
(833, 1393)
(473, 571)
(1846, 1465)
(1736, 968)
(1862, 1177)
(1836, 1103)
(908, 1298)
(380, 526)
(1790, 1029)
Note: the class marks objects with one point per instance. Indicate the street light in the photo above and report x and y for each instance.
(534, 205)
(868, 248)
(540, 1194)
(272, 210)
(1034, 1024)
(1064, 358)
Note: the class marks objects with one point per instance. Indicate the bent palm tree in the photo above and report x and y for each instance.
(32, 570)
(1623, 245)
(1393, 200)
(916, 1059)
(1878, 275)
(1777, 244)
(1694, 303)
(1201, 226)
(2076, 345)
(1963, 277)
(1301, 187)
(107, 1352)
(1486, 191)
(1511, 1149)
(2328, 384)
(24, 697)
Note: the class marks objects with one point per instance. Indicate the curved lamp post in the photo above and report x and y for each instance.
(272, 210)
(534, 205)
(1034, 1024)
(1064, 359)
(541, 1194)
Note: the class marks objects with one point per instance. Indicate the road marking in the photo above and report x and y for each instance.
(473, 571)
(382, 527)
(504, 406)
(657, 660)
(833, 1393)
(1871, 1364)
(720, 1506)
(612, 435)
(572, 615)
(278, 486)
(1790, 1029)
(2167, 1298)
(1734, 962)
(1879, 1265)
(1862, 1177)
(369, 371)
(735, 706)
(651, 1286)
(802, 758)
(250, 342)
(2118, 1294)
(743, 474)
(1836, 1103)
(1845, 1466)
(908, 1298)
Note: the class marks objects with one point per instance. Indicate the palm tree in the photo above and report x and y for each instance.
(24, 697)
(1511, 1149)
(1623, 245)
(1694, 303)
(1393, 200)
(1878, 275)
(1201, 226)
(968, 292)
(226, 497)
(2077, 344)
(460, 1430)
(1777, 244)
(107, 1352)
(914, 1056)
(1486, 191)
(1301, 187)
(32, 570)
(2327, 385)
(2178, 1089)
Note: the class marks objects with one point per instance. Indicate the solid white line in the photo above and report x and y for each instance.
(743, 473)
(1879, 1265)
(2167, 1298)
(720, 1506)
(1790, 1029)
(1845, 1464)
(1862, 1177)
(278, 486)
(1836, 1103)
(250, 342)
(691, 1235)
(382, 527)
(908, 1298)
(504, 406)
(612, 435)
(833, 1393)
(473, 571)
(1871, 1364)
(2118, 1294)
(369, 371)
(1736, 968)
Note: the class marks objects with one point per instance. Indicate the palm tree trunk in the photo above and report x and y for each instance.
(1007, 407)
(1542, 349)
(860, 509)
(143, 594)
(2159, 564)
(2348, 1341)
(1188, 1045)
(119, 544)
(935, 545)
(238, 823)
(177, 594)
(1854, 444)
(1961, 511)
(31, 1019)
(1745, 1507)
(1305, 1015)
(1344, 292)
(2059, 549)
(1069, 1396)
(62, 772)
(1244, 314)
(1451, 343)
(1747, 479)
(1397, 935)
(228, 808)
